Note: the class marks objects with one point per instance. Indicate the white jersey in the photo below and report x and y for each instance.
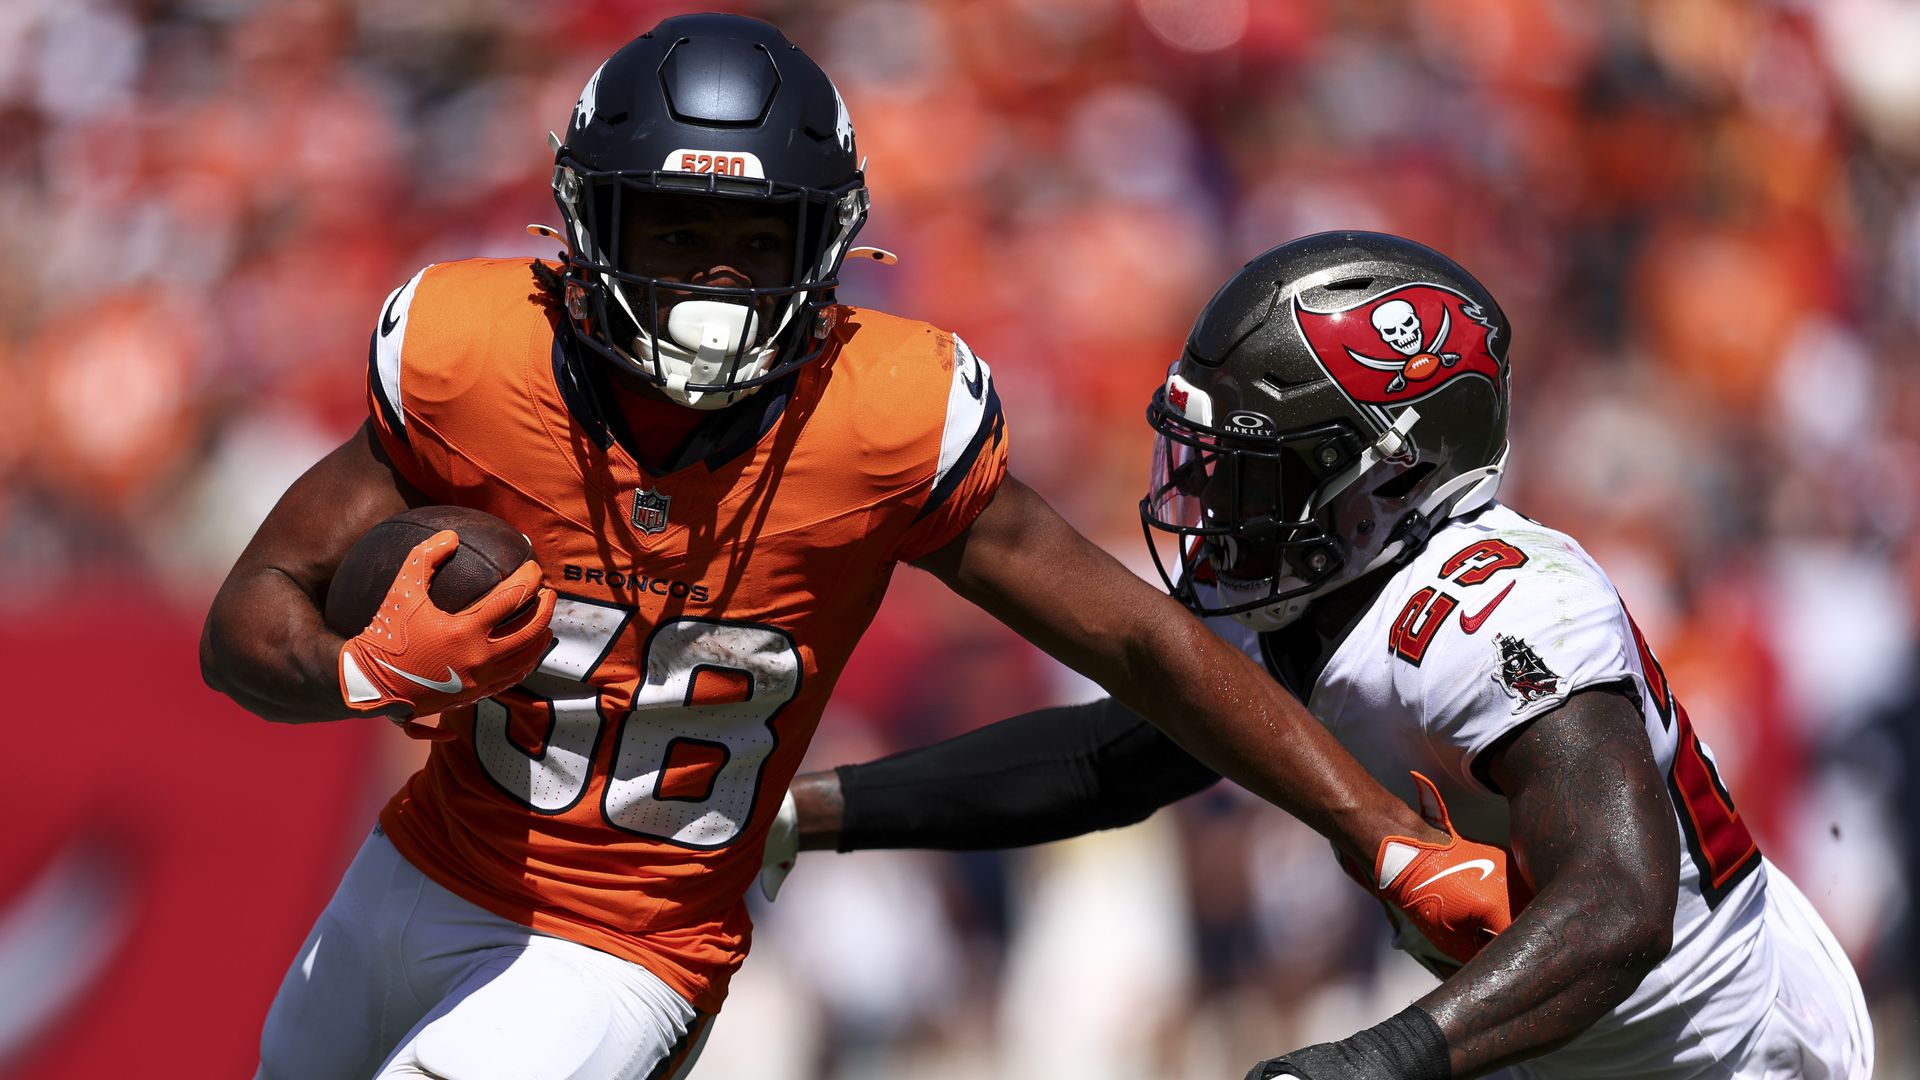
(1497, 621)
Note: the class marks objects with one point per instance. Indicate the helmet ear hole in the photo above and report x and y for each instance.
(1397, 487)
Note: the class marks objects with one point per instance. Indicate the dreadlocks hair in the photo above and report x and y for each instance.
(550, 286)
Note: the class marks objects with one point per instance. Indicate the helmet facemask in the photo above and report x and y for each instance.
(1239, 508)
(717, 343)
(1265, 523)
(1360, 379)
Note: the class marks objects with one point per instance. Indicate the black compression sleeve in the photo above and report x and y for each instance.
(1406, 1046)
(1036, 777)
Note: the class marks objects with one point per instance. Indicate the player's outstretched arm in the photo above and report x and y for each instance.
(1041, 776)
(1022, 563)
(264, 644)
(1593, 830)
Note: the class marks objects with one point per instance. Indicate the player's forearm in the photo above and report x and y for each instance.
(1034, 778)
(819, 806)
(1028, 568)
(266, 647)
(1576, 952)
(1592, 821)
(1224, 710)
(1221, 708)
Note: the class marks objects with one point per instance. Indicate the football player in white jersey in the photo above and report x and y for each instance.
(1330, 443)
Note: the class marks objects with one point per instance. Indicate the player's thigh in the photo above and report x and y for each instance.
(552, 1009)
(343, 1004)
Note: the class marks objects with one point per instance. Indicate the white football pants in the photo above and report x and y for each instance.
(1818, 1028)
(401, 978)
(1815, 1028)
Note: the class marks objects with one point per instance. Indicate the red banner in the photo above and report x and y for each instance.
(165, 852)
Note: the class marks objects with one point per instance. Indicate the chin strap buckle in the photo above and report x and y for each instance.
(1413, 531)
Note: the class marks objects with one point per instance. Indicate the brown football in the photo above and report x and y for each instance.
(490, 549)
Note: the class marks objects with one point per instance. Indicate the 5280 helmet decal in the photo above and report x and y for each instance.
(1403, 344)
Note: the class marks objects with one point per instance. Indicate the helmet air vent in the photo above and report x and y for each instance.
(1352, 284)
(719, 82)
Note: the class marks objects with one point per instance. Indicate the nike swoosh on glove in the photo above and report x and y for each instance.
(1457, 895)
(783, 848)
(429, 660)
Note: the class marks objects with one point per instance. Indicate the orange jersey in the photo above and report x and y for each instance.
(621, 795)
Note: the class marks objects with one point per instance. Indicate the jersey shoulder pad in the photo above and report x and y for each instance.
(1500, 547)
(1502, 619)
(448, 328)
(922, 391)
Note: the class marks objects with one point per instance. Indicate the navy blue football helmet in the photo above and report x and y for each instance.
(710, 106)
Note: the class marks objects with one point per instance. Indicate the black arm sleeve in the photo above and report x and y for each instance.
(1036, 777)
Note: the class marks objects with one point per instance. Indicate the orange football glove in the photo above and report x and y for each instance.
(1456, 895)
(430, 660)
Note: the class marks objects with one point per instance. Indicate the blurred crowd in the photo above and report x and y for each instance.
(1702, 217)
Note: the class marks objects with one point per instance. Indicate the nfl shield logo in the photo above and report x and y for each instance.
(650, 510)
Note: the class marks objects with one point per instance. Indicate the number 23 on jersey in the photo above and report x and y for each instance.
(1722, 848)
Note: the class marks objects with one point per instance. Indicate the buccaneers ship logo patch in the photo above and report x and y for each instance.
(1402, 344)
(1522, 672)
(650, 510)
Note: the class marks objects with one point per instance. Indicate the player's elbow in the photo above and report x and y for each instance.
(221, 648)
(224, 668)
(1638, 917)
(1644, 941)
(217, 671)
(212, 671)
(1650, 901)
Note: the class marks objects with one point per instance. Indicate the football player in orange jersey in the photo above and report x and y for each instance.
(718, 467)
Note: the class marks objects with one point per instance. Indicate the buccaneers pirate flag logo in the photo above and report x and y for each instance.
(1402, 344)
(1523, 673)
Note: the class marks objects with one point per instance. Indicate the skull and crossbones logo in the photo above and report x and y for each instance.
(1398, 325)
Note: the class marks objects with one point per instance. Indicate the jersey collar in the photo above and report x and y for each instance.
(718, 439)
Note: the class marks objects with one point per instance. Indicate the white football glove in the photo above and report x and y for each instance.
(783, 847)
